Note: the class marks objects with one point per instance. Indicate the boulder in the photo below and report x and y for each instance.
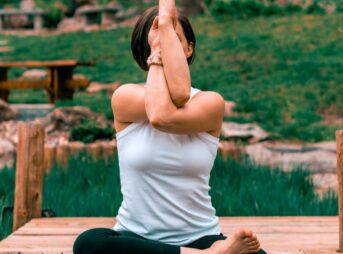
(6, 112)
(229, 108)
(33, 74)
(236, 131)
(63, 119)
(324, 183)
(95, 87)
(7, 153)
(292, 156)
(70, 25)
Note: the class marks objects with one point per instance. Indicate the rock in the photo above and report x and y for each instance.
(27, 5)
(70, 25)
(236, 131)
(325, 182)
(6, 112)
(95, 87)
(33, 74)
(5, 49)
(3, 43)
(63, 119)
(289, 157)
(7, 153)
(229, 106)
(8, 131)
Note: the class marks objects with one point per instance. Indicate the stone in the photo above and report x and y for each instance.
(7, 153)
(6, 112)
(5, 49)
(229, 108)
(33, 74)
(236, 131)
(289, 157)
(70, 25)
(27, 5)
(325, 182)
(63, 119)
(96, 87)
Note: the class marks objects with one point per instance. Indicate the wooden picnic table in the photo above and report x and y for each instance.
(59, 83)
(36, 14)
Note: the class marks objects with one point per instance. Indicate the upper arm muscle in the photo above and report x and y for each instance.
(203, 113)
(128, 103)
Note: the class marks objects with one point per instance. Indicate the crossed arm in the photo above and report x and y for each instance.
(164, 100)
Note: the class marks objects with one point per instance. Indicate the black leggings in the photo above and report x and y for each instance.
(108, 241)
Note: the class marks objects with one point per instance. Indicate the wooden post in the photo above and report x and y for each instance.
(29, 174)
(76, 148)
(62, 155)
(3, 77)
(94, 150)
(108, 150)
(339, 140)
(49, 157)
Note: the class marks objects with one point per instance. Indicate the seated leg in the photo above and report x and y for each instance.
(108, 241)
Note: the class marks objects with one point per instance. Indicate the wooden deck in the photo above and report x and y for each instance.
(286, 235)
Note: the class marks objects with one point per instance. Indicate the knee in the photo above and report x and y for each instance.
(84, 243)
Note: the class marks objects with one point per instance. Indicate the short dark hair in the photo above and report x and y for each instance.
(139, 39)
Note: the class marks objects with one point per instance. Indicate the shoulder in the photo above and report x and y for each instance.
(211, 99)
(127, 92)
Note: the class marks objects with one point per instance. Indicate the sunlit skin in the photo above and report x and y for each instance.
(164, 102)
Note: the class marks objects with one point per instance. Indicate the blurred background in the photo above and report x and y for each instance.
(277, 63)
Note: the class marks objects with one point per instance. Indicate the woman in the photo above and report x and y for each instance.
(167, 134)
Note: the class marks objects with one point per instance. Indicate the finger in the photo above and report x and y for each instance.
(155, 23)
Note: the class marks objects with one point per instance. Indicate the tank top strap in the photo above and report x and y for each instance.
(194, 91)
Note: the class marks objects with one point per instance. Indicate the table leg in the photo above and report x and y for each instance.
(38, 22)
(50, 88)
(1, 22)
(4, 94)
(61, 76)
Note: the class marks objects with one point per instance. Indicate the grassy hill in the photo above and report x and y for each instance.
(284, 72)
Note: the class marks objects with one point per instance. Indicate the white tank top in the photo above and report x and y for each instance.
(165, 183)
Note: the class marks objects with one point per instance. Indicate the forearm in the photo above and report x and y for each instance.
(158, 103)
(175, 64)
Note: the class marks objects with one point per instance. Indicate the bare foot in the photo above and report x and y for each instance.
(242, 241)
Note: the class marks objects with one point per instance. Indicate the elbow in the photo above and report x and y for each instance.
(159, 121)
(181, 99)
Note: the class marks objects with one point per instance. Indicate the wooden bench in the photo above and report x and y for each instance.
(37, 15)
(90, 15)
(59, 83)
(32, 234)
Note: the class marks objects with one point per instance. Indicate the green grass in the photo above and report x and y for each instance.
(90, 188)
(284, 72)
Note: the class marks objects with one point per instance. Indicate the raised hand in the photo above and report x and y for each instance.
(153, 37)
(167, 10)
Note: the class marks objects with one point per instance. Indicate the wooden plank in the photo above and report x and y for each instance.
(29, 174)
(339, 142)
(77, 83)
(23, 84)
(56, 63)
(310, 235)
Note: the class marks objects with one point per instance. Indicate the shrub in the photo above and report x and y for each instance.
(236, 8)
(315, 8)
(88, 131)
(53, 17)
